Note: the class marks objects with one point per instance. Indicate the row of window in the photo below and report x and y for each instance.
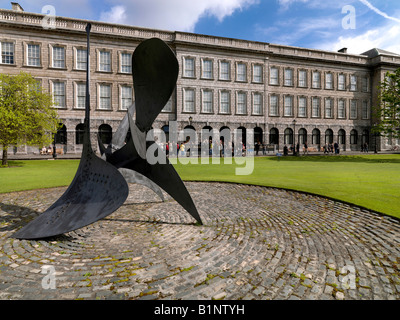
(292, 105)
(104, 94)
(340, 81)
(105, 132)
(316, 136)
(33, 57)
(319, 80)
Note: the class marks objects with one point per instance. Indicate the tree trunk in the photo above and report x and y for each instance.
(4, 161)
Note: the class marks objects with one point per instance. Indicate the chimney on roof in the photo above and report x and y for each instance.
(343, 50)
(16, 6)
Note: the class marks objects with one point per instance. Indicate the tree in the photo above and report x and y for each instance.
(388, 112)
(27, 115)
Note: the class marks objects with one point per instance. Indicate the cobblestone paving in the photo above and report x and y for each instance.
(256, 243)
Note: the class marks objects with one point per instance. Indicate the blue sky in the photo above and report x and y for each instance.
(359, 25)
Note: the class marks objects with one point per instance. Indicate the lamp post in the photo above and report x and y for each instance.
(54, 146)
(294, 137)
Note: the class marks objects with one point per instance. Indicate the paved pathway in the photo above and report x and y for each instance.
(256, 243)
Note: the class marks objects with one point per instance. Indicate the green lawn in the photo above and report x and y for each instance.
(371, 181)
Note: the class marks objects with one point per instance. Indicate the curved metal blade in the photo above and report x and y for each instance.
(97, 190)
(135, 177)
(155, 71)
(164, 175)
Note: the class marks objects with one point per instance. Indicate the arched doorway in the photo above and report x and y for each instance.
(61, 135)
(79, 133)
(288, 136)
(258, 135)
(302, 136)
(341, 137)
(105, 133)
(274, 136)
(316, 138)
(329, 136)
(354, 137)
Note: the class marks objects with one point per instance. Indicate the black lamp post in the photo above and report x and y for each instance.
(54, 146)
(294, 137)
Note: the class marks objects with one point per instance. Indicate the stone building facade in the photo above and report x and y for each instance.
(283, 93)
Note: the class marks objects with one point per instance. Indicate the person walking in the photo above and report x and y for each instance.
(305, 148)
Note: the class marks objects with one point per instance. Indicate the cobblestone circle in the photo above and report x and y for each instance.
(256, 243)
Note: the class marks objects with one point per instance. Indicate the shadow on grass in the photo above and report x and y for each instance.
(338, 158)
(12, 164)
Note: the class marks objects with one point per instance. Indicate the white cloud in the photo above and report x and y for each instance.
(384, 37)
(376, 10)
(179, 15)
(115, 15)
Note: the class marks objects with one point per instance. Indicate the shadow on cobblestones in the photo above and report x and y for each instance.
(15, 216)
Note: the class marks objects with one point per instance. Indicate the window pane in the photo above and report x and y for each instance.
(353, 83)
(365, 110)
(81, 59)
(105, 97)
(316, 79)
(273, 106)
(288, 77)
(257, 104)
(59, 94)
(126, 62)
(288, 106)
(105, 61)
(316, 107)
(329, 81)
(241, 72)
(224, 107)
(241, 103)
(189, 67)
(273, 77)
(302, 78)
(207, 69)
(302, 107)
(328, 108)
(224, 72)
(33, 55)
(80, 95)
(58, 57)
(353, 109)
(257, 73)
(341, 109)
(189, 100)
(126, 97)
(7, 52)
(341, 82)
(207, 101)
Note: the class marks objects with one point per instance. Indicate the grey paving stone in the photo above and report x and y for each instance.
(256, 243)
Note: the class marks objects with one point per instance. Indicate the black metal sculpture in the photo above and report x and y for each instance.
(98, 188)
(155, 71)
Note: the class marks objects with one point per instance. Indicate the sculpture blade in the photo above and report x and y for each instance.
(162, 174)
(155, 71)
(96, 191)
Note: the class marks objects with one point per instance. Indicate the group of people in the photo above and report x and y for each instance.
(330, 148)
(46, 150)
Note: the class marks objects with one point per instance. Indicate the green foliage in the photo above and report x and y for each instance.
(388, 112)
(27, 115)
